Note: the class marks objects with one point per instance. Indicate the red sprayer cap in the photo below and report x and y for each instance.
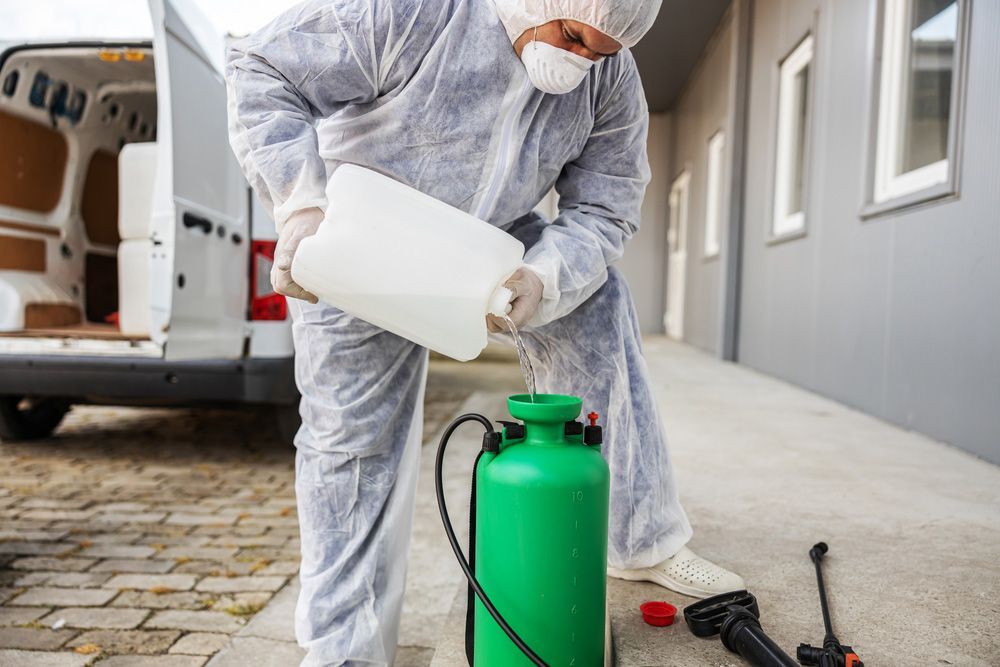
(593, 416)
(658, 613)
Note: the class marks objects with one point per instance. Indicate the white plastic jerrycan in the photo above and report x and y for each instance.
(408, 263)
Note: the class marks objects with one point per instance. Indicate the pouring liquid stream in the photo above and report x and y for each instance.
(527, 371)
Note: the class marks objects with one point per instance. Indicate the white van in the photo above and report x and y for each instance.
(134, 258)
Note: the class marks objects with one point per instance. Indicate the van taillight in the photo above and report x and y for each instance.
(264, 303)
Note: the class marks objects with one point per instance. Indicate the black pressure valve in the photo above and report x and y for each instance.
(593, 434)
(573, 428)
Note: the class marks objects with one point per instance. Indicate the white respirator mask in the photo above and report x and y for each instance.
(551, 69)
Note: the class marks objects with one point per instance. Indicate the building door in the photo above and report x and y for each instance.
(677, 255)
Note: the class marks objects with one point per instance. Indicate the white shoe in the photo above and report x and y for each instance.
(687, 573)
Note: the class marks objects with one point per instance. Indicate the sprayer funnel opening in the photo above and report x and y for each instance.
(544, 407)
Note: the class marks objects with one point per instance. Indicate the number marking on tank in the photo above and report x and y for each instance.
(573, 610)
(576, 552)
(577, 496)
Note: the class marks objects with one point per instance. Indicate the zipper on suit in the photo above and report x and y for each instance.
(505, 155)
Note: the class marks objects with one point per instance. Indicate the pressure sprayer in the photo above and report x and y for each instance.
(538, 536)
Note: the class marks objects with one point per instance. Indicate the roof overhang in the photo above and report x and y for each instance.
(670, 50)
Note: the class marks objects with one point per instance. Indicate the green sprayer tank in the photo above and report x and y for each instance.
(539, 536)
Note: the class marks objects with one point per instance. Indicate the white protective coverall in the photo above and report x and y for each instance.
(432, 94)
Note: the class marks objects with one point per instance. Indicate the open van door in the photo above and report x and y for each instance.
(200, 199)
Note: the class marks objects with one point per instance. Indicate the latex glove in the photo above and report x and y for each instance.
(527, 288)
(298, 226)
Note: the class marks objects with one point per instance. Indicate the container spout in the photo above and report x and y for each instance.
(499, 303)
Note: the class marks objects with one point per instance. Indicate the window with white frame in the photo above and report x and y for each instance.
(795, 74)
(919, 63)
(714, 192)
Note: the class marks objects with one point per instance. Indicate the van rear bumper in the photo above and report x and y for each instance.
(150, 381)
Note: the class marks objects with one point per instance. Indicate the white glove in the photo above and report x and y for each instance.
(298, 226)
(527, 288)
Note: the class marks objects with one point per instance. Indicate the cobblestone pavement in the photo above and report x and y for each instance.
(144, 536)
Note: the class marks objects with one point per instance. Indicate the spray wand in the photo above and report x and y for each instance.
(735, 616)
(833, 653)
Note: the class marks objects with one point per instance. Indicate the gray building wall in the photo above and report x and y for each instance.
(644, 260)
(898, 315)
(704, 108)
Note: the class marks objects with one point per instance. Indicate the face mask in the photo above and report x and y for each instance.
(551, 69)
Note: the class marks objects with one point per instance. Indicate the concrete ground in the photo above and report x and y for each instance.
(766, 470)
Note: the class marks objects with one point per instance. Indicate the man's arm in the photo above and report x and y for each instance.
(600, 195)
(301, 67)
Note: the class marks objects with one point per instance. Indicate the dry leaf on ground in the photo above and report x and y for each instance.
(161, 590)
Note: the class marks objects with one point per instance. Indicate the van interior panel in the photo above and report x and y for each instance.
(48, 315)
(29, 227)
(19, 253)
(66, 111)
(99, 204)
(33, 164)
(101, 275)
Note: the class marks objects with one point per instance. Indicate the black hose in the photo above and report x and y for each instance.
(457, 548)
